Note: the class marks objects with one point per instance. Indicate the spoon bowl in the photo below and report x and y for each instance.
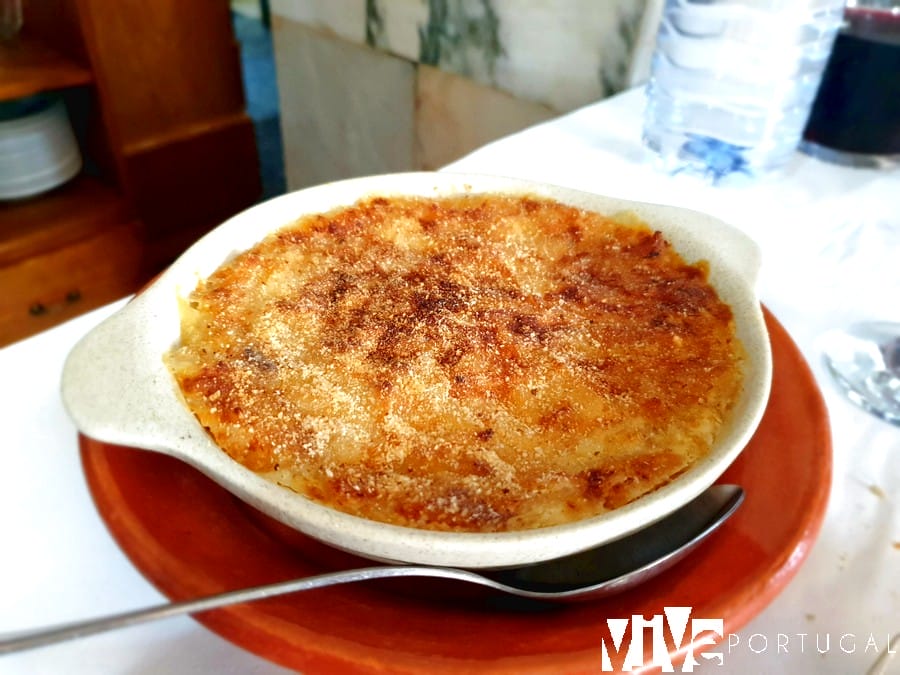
(590, 574)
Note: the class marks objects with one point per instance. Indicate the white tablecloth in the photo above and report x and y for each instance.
(831, 243)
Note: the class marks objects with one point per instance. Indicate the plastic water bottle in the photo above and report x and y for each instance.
(732, 82)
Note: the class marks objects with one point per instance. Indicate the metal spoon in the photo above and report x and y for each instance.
(864, 360)
(596, 572)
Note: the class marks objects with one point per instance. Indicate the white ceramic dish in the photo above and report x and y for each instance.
(117, 389)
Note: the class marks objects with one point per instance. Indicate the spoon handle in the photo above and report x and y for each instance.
(47, 636)
(690, 524)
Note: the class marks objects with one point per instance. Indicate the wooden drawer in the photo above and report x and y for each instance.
(44, 290)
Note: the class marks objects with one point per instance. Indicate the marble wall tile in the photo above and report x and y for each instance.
(562, 53)
(566, 54)
(373, 86)
(344, 18)
(396, 24)
(346, 110)
(455, 115)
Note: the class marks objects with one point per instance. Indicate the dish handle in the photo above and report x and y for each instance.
(116, 388)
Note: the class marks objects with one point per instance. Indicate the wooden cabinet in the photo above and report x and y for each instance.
(154, 93)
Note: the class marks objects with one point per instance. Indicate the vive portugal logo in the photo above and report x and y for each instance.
(687, 635)
(674, 632)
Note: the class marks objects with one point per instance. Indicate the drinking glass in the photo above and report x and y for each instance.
(855, 119)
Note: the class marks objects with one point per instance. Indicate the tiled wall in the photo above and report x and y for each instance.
(374, 86)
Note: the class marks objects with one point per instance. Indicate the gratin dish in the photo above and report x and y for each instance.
(117, 389)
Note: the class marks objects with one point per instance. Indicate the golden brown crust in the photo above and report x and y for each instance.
(477, 363)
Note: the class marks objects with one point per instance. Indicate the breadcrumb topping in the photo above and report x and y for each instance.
(475, 363)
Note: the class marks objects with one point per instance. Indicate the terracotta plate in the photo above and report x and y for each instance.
(190, 538)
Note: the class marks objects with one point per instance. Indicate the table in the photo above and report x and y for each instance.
(830, 238)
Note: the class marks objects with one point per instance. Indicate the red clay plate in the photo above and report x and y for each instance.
(190, 538)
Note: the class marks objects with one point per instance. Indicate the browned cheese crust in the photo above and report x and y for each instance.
(477, 363)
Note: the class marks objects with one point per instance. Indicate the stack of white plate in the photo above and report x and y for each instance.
(38, 150)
